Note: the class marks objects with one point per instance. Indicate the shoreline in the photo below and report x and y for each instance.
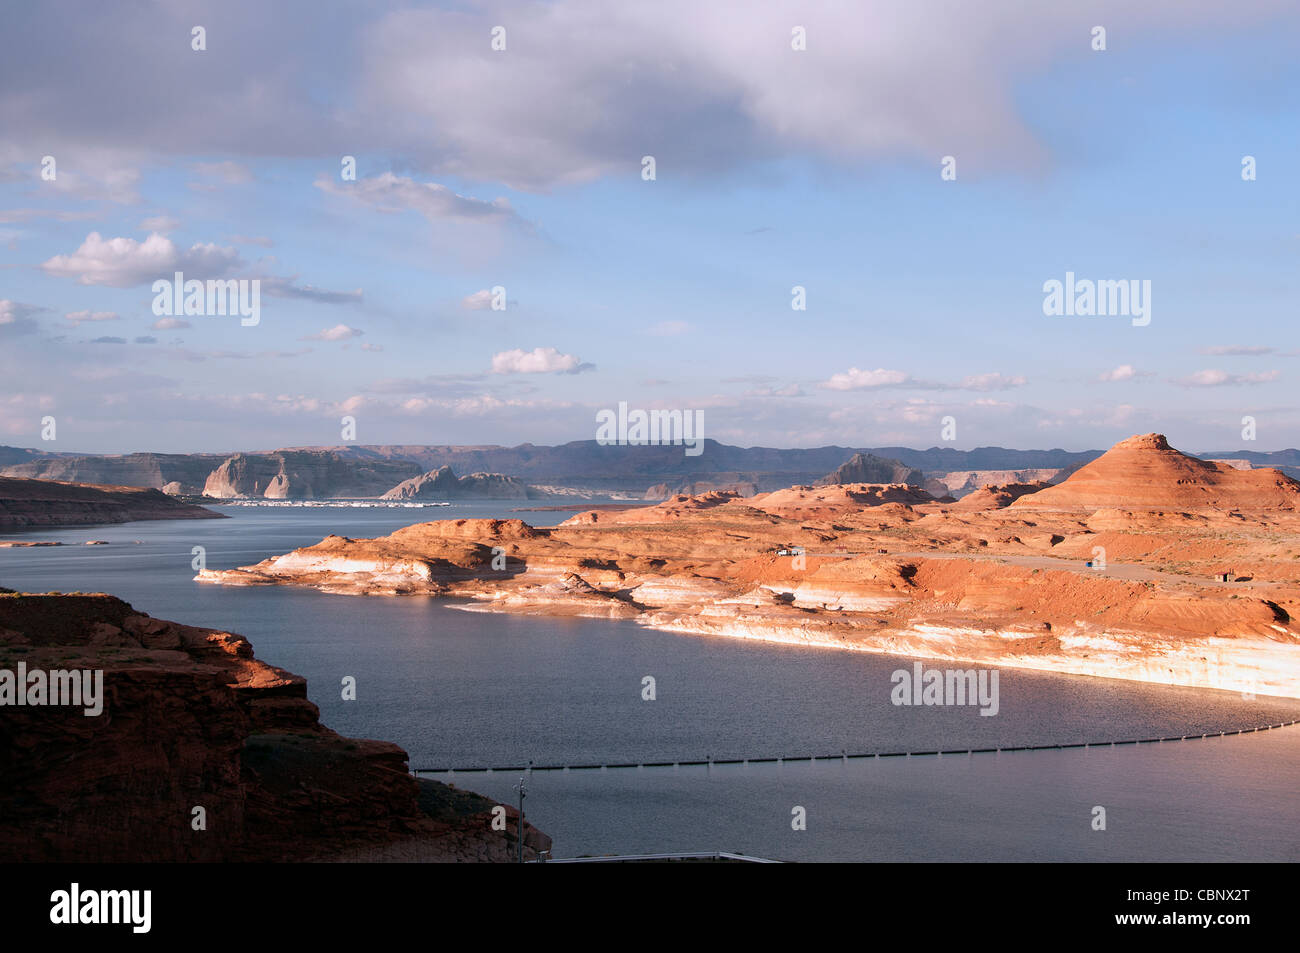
(913, 645)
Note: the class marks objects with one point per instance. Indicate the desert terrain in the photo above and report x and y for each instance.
(1145, 564)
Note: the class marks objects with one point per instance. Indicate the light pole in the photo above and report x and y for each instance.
(523, 793)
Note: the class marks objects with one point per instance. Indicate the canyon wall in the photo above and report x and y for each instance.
(190, 719)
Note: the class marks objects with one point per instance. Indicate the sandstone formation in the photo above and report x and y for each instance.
(991, 497)
(1145, 473)
(190, 718)
(443, 484)
(961, 482)
(869, 468)
(157, 470)
(741, 485)
(1097, 586)
(48, 503)
(304, 475)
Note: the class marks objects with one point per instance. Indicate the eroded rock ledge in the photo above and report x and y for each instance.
(190, 718)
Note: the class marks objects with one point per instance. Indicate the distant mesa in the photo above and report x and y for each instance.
(580, 469)
(666, 491)
(443, 484)
(26, 503)
(812, 502)
(304, 474)
(1145, 473)
(869, 468)
(961, 482)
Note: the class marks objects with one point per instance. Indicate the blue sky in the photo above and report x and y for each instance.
(775, 168)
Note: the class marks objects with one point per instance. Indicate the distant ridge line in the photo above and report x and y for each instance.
(842, 756)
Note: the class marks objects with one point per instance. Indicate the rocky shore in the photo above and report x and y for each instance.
(1057, 578)
(201, 752)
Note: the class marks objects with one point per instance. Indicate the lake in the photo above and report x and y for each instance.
(459, 689)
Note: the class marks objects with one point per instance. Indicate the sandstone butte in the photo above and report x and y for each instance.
(190, 718)
(1000, 578)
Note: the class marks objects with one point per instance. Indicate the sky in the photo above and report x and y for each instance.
(522, 170)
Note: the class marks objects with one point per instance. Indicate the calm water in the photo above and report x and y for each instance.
(460, 688)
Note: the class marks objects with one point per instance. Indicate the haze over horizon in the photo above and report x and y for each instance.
(522, 169)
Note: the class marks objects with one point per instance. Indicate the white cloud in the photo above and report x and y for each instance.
(855, 379)
(992, 381)
(1125, 372)
(478, 301)
(583, 87)
(123, 262)
(340, 332)
(1219, 378)
(170, 324)
(540, 360)
(1232, 350)
(717, 84)
(394, 193)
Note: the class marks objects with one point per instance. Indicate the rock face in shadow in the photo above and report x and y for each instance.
(191, 719)
(868, 468)
(991, 496)
(49, 503)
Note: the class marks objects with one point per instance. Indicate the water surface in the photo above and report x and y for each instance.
(459, 688)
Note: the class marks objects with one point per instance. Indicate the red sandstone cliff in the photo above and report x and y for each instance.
(190, 718)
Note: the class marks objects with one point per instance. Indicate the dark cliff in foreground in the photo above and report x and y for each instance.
(49, 503)
(191, 719)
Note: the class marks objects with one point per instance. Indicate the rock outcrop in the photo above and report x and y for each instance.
(26, 503)
(1145, 473)
(190, 719)
(996, 497)
(868, 468)
(961, 482)
(443, 484)
(186, 471)
(304, 475)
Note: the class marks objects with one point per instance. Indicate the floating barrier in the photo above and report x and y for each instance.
(842, 756)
